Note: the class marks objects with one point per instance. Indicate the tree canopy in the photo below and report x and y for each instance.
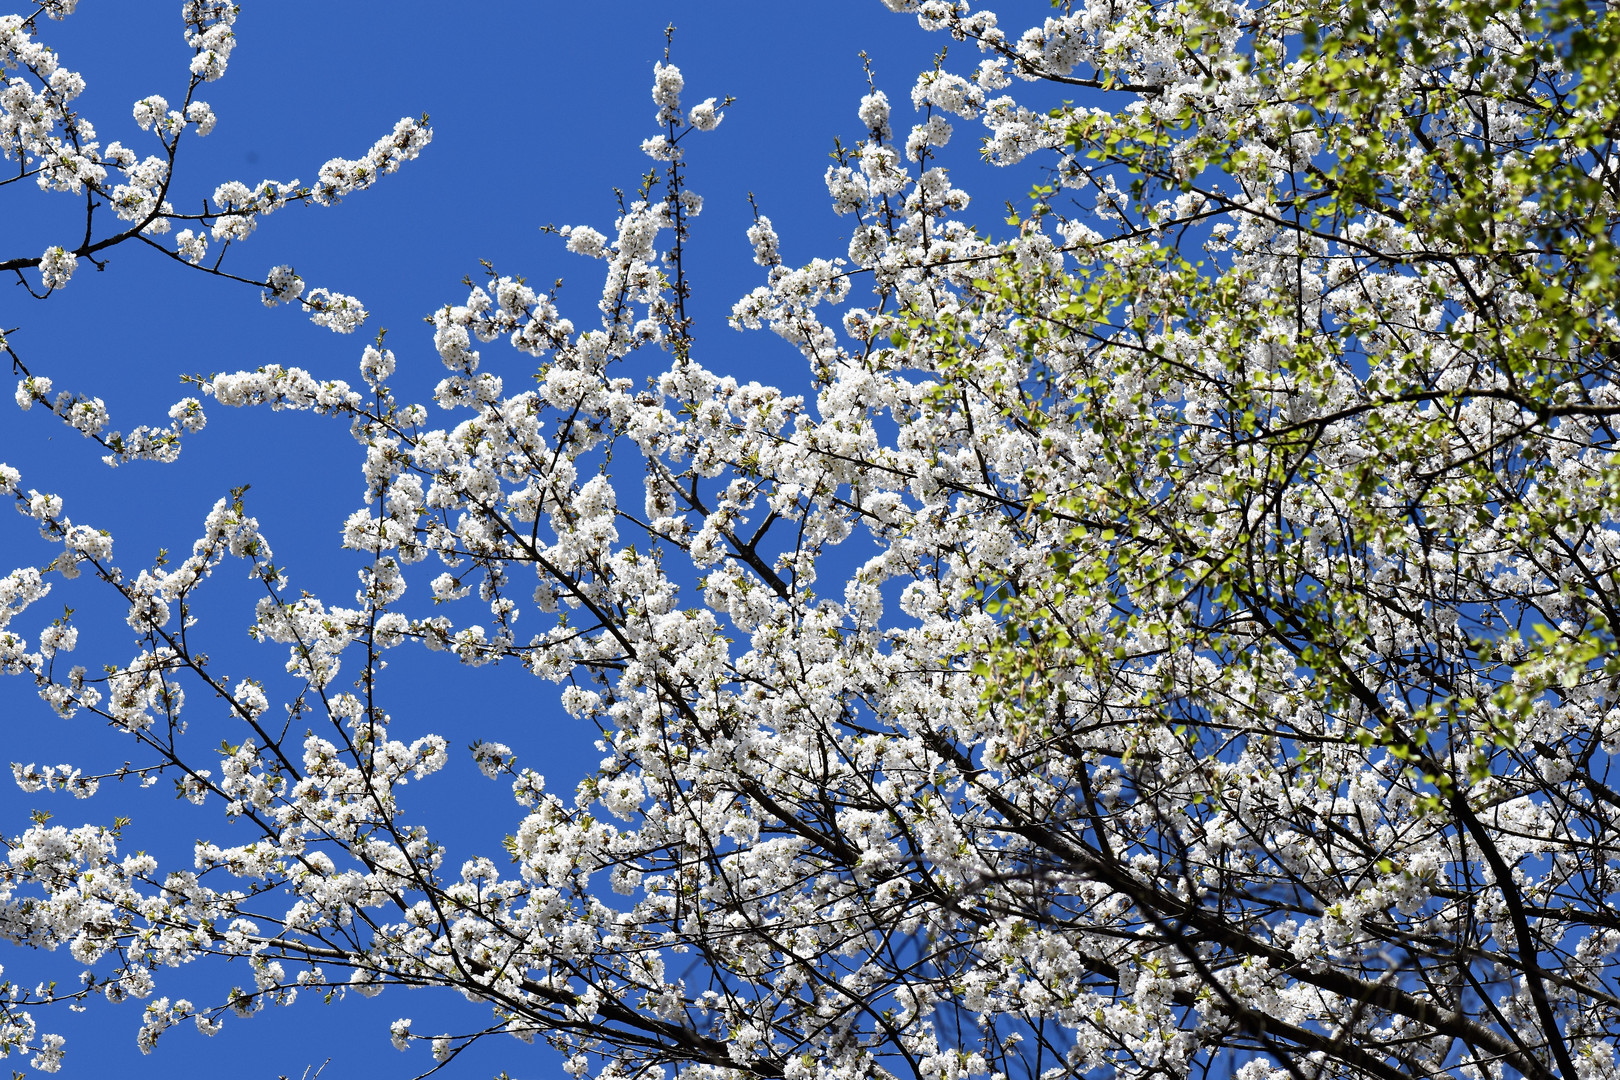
(1176, 635)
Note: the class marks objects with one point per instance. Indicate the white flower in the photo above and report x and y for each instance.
(667, 85)
(704, 116)
(492, 758)
(58, 638)
(763, 236)
(338, 313)
(660, 148)
(48, 1058)
(285, 286)
(201, 114)
(874, 113)
(376, 365)
(150, 110)
(188, 414)
(193, 247)
(584, 240)
(56, 266)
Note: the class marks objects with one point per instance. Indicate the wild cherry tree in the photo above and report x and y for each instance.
(1218, 676)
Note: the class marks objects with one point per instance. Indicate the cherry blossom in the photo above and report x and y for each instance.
(1171, 632)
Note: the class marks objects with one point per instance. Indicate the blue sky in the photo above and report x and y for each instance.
(538, 109)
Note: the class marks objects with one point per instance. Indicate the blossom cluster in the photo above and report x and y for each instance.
(1109, 664)
(60, 149)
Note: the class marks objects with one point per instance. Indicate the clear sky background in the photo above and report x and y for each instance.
(538, 108)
